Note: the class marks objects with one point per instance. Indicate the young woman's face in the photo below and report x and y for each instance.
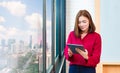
(83, 23)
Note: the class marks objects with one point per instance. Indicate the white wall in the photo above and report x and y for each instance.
(110, 27)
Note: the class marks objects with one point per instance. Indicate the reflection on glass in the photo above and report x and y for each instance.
(20, 36)
(48, 33)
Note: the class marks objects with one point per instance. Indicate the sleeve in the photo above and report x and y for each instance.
(66, 47)
(94, 59)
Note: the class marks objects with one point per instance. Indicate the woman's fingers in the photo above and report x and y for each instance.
(83, 53)
(70, 52)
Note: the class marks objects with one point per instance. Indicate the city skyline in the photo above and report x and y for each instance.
(20, 19)
(21, 35)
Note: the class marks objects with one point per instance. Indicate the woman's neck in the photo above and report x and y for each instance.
(83, 35)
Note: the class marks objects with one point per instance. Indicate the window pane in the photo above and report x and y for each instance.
(48, 33)
(20, 36)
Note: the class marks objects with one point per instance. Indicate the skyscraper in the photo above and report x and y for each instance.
(30, 43)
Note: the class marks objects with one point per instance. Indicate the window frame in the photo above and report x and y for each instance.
(58, 36)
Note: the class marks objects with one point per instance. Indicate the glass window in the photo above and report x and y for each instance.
(48, 33)
(20, 36)
(22, 31)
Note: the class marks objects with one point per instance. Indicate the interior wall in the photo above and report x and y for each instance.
(110, 28)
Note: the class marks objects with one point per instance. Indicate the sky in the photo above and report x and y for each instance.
(21, 18)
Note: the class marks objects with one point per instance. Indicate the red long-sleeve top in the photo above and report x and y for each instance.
(92, 43)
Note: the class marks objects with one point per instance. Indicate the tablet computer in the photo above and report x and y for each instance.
(73, 46)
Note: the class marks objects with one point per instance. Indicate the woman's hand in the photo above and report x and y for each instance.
(70, 53)
(83, 53)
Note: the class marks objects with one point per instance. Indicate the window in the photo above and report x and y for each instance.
(20, 36)
(32, 36)
(48, 33)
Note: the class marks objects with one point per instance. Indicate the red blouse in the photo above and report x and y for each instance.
(92, 43)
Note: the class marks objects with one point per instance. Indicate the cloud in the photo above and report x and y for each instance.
(12, 32)
(8, 32)
(14, 7)
(34, 20)
(2, 19)
(2, 28)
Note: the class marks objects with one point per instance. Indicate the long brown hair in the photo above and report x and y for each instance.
(85, 13)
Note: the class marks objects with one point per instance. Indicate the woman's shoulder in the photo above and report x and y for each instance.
(96, 34)
(71, 32)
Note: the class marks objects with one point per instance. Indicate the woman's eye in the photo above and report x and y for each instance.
(84, 21)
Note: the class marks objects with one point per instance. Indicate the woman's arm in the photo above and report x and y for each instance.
(94, 59)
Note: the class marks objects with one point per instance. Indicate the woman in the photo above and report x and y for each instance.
(84, 33)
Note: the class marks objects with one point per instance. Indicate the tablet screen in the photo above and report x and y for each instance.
(73, 46)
